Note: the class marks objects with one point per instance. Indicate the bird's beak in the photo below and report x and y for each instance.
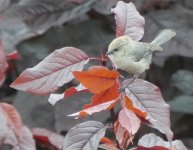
(109, 53)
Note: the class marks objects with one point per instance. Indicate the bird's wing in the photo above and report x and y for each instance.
(141, 49)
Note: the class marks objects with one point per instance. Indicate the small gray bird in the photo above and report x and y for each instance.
(135, 57)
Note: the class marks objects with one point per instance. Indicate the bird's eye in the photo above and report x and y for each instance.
(116, 50)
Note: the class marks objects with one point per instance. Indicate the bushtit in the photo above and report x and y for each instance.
(135, 57)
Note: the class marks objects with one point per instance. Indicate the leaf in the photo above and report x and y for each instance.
(107, 144)
(129, 105)
(56, 97)
(27, 142)
(128, 21)
(8, 135)
(147, 97)
(123, 137)
(95, 109)
(34, 17)
(76, 1)
(97, 78)
(183, 104)
(151, 148)
(74, 90)
(46, 137)
(40, 15)
(152, 140)
(85, 136)
(13, 55)
(54, 71)
(129, 121)
(104, 6)
(4, 4)
(13, 118)
(3, 64)
(107, 141)
(183, 80)
(100, 102)
(108, 147)
(105, 96)
(13, 35)
(151, 5)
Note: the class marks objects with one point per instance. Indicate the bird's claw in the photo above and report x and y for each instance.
(122, 89)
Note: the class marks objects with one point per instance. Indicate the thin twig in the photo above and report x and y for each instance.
(113, 119)
(112, 112)
(95, 59)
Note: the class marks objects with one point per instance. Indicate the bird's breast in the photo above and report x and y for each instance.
(127, 64)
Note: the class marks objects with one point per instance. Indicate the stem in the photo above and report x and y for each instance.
(112, 112)
(95, 59)
(113, 118)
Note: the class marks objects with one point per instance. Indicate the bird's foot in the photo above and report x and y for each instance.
(122, 89)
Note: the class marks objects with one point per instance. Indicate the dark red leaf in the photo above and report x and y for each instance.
(13, 56)
(123, 137)
(151, 148)
(128, 20)
(129, 121)
(13, 118)
(54, 71)
(46, 137)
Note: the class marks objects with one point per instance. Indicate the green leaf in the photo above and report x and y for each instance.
(183, 80)
(183, 104)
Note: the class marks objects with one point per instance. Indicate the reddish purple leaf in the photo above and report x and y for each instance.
(152, 140)
(54, 71)
(8, 135)
(104, 6)
(123, 137)
(13, 56)
(26, 142)
(13, 118)
(129, 121)
(76, 1)
(3, 64)
(147, 97)
(151, 148)
(48, 137)
(128, 20)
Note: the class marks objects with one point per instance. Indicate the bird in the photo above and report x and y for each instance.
(135, 57)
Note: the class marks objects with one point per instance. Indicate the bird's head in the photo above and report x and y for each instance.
(118, 45)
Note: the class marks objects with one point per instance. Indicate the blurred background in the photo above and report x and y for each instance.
(35, 28)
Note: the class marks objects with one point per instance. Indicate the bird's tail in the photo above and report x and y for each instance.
(163, 37)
